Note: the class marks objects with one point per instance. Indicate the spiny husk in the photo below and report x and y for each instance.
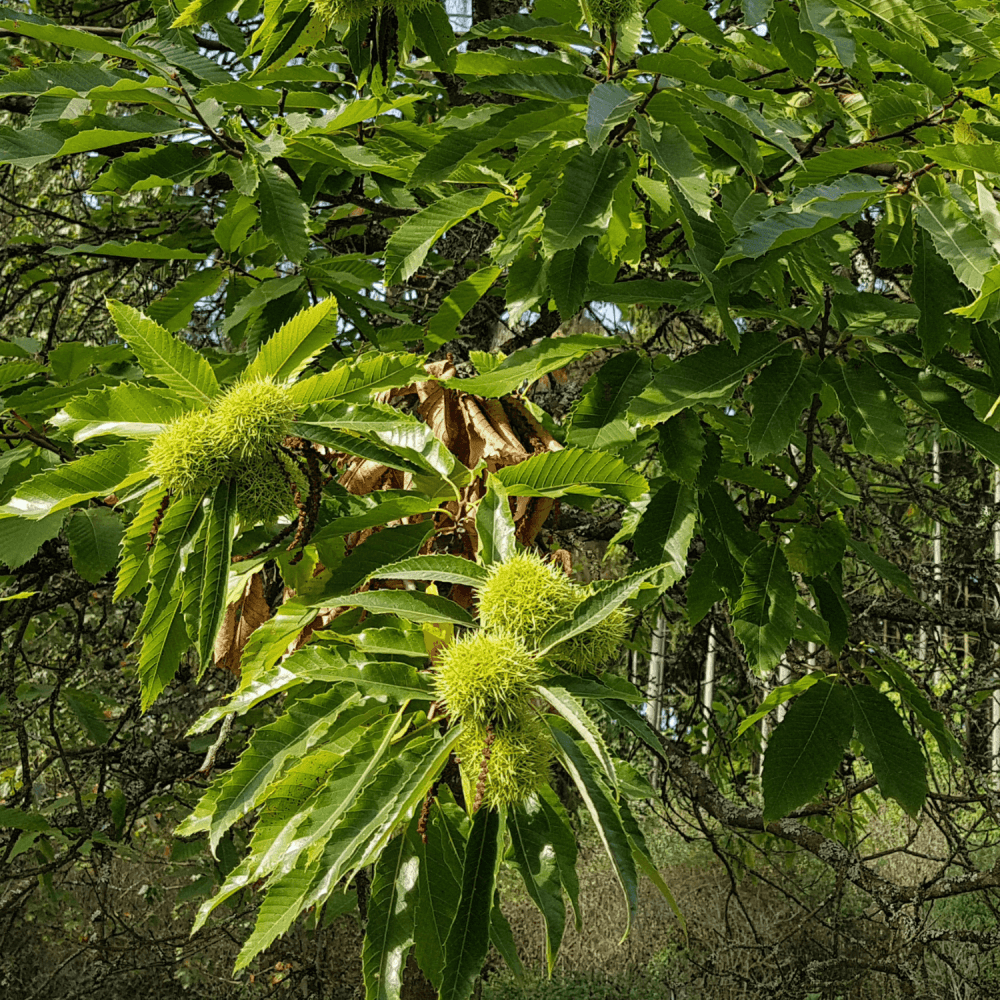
(263, 488)
(518, 765)
(253, 416)
(486, 678)
(188, 456)
(611, 13)
(340, 11)
(597, 647)
(526, 596)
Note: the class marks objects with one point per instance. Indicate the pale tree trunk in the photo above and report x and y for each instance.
(784, 676)
(708, 689)
(654, 686)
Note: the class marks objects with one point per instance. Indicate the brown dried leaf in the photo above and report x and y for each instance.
(241, 619)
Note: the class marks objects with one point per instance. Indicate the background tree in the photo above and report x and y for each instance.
(261, 262)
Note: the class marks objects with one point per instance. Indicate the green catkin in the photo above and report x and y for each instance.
(188, 455)
(518, 766)
(486, 678)
(526, 596)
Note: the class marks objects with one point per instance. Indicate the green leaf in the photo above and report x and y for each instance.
(936, 291)
(682, 446)
(434, 32)
(816, 549)
(778, 696)
(813, 210)
(469, 143)
(124, 410)
(469, 937)
(666, 527)
(806, 748)
(409, 244)
(912, 58)
(399, 682)
(164, 357)
(572, 471)
(89, 711)
(15, 819)
(390, 928)
(672, 154)
(931, 719)
(173, 310)
(98, 474)
(956, 238)
(581, 206)
(440, 887)
(609, 104)
(764, 616)
(305, 724)
(356, 379)
(533, 855)
(872, 416)
(393, 641)
(178, 532)
(531, 363)
(21, 538)
(301, 339)
(885, 569)
(606, 820)
(199, 12)
(20, 22)
(709, 376)
(568, 275)
(594, 609)
(693, 17)
(134, 250)
(165, 642)
(288, 29)
(413, 605)
(391, 505)
(284, 217)
(437, 567)
(932, 394)
(502, 938)
(571, 709)
(563, 835)
(211, 582)
(794, 44)
(835, 611)
(456, 305)
(94, 536)
(778, 396)
(823, 20)
(494, 524)
(924, 22)
(894, 754)
(599, 418)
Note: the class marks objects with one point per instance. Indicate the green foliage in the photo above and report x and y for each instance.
(780, 222)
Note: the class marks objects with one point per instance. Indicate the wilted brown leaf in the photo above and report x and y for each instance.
(242, 617)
